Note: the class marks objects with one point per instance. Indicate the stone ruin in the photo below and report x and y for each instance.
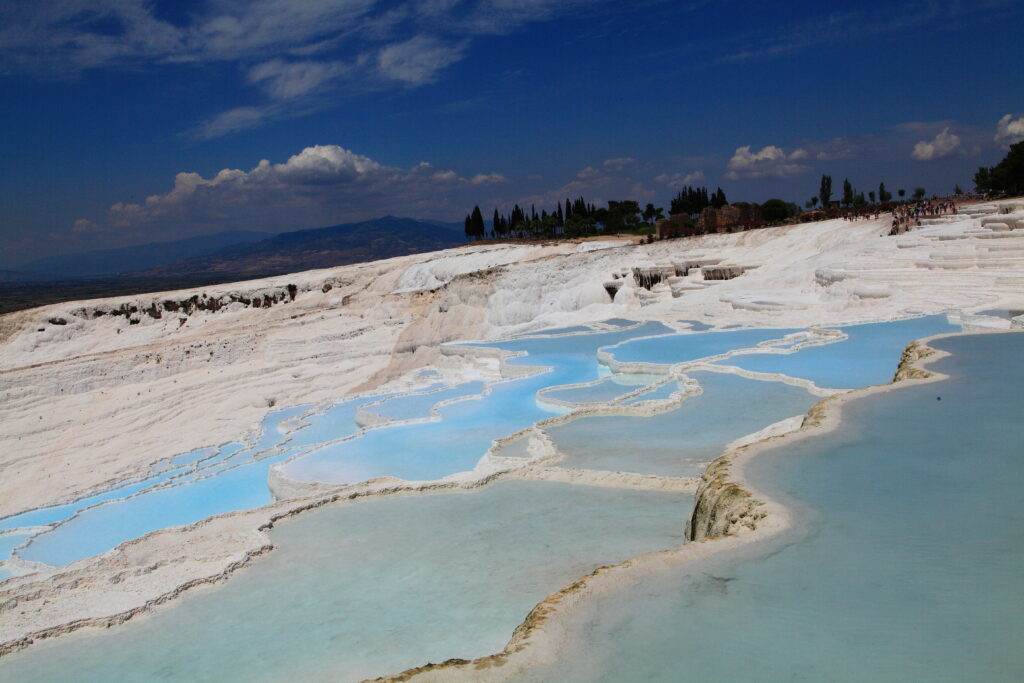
(738, 216)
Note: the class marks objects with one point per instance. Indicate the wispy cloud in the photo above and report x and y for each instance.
(295, 52)
(860, 24)
(418, 60)
(677, 180)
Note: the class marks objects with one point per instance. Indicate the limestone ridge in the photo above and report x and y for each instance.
(722, 507)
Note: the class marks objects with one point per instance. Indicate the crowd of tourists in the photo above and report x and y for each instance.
(909, 215)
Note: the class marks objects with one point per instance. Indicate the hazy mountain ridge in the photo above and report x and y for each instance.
(124, 260)
(217, 258)
(335, 245)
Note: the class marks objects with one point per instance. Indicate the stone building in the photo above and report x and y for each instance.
(676, 225)
(731, 217)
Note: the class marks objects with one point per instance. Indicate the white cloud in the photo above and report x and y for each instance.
(594, 185)
(679, 179)
(285, 80)
(942, 145)
(320, 185)
(418, 60)
(1009, 130)
(233, 121)
(618, 163)
(296, 51)
(84, 225)
(770, 162)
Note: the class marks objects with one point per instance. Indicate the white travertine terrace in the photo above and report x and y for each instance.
(98, 391)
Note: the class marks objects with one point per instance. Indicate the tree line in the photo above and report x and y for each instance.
(576, 218)
(853, 198)
(1006, 177)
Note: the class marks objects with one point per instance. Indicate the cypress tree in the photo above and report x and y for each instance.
(825, 191)
(477, 220)
(469, 227)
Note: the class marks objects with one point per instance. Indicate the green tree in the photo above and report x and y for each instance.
(477, 220)
(983, 179)
(919, 193)
(775, 211)
(883, 194)
(871, 196)
(902, 193)
(689, 201)
(719, 200)
(814, 202)
(1006, 176)
(957, 191)
(847, 192)
(652, 214)
(469, 227)
(825, 191)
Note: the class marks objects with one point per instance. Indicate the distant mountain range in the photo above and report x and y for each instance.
(337, 245)
(220, 257)
(105, 262)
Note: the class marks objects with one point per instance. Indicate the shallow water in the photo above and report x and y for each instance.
(906, 564)
(869, 356)
(419, 405)
(664, 391)
(233, 480)
(432, 450)
(1007, 314)
(678, 348)
(610, 389)
(377, 586)
(682, 441)
(575, 329)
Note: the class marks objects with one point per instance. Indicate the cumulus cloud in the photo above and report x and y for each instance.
(680, 179)
(1009, 130)
(942, 145)
(769, 162)
(618, 163)
(317, 186)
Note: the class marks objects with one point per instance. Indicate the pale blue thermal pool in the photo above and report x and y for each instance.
(905, 564)
(678, 348)
(418, 405)
(658, 393)
(432, 450)
(680, 442)
(575, 329)
(869, 356)
(237, 480)
(358, 590)
(608, 389)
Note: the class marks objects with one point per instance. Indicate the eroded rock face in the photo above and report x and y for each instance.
(722, 507)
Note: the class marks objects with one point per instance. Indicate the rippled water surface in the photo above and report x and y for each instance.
(906, 564)
(869, 355)
(682, 441)
(359, 590)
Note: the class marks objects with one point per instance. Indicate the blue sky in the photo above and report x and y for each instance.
(129, 121)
